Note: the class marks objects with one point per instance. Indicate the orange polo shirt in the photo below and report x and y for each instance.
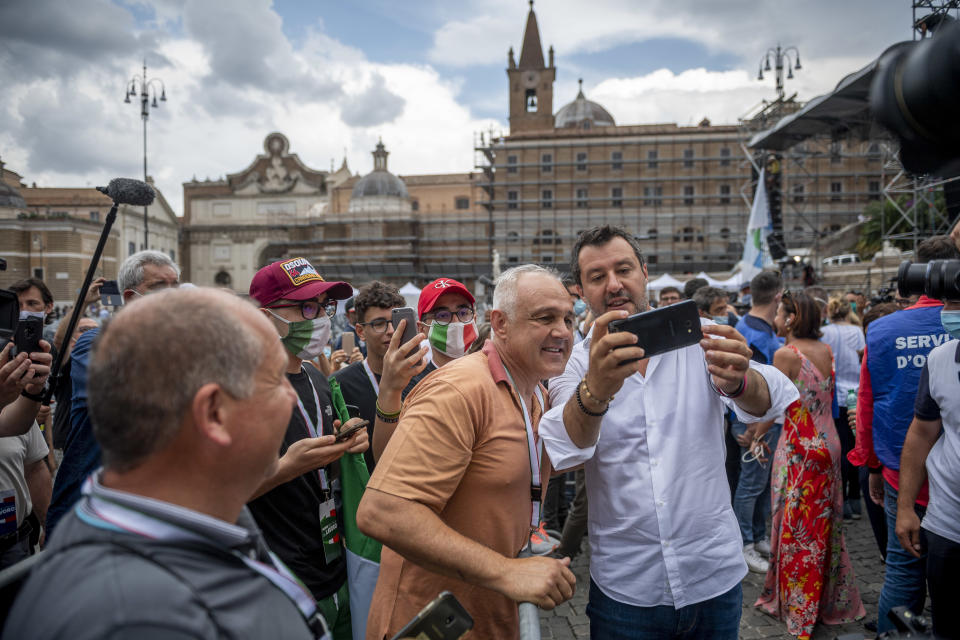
(461, 449)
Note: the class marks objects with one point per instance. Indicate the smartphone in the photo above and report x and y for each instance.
(29, 332)
(348, 342)
(664, 329)
(346, 434)
(110, 295)
(443, 619)
(405, 313)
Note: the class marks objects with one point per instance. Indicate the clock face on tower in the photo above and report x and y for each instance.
(531, 78)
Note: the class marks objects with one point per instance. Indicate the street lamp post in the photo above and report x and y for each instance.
(779, 57)
(148, 89)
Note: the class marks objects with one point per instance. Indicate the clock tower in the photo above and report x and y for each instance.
(531, 83)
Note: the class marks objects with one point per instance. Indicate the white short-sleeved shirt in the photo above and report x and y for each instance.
(16, 453)
(938, 396)
(845, 341)
(662, 529)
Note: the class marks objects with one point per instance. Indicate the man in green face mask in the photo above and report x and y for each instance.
(295, 507)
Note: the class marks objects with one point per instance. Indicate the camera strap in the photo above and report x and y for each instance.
(534, 448)
(314, 429)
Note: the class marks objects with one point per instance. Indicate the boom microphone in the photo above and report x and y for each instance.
(129, 191)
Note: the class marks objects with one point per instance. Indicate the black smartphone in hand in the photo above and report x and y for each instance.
(347, 433)
(664, 329)
(405, 313)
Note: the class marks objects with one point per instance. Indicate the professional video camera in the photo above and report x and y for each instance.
(914, 94)
(939, 279)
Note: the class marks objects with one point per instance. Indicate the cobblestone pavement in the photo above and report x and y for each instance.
(569, 620)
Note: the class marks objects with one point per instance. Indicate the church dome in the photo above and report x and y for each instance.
(583, 113)
(380, 190)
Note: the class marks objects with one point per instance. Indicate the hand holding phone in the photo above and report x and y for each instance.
(348, 343)
(664, 329)
(346, 432)
(110, 295)
(410, 330)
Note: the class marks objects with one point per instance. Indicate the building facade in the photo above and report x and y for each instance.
(52, 233)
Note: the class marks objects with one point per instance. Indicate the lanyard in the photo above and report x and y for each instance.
(315, 430)
(373, 378)
(147, 526)
(534, 448)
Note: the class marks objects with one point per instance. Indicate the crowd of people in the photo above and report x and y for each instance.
(299, 462)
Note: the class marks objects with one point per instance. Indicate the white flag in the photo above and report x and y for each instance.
(756, 253)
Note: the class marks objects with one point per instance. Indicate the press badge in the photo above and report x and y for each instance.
(329, 531)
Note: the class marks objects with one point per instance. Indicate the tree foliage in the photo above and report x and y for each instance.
(882, 217)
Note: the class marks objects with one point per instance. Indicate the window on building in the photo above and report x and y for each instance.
(616, 160)
(131, 248)
(95, 216)
(462, 202)
(688, 258)
(511, 164)
(652, 259)
(581, 161)
(873, 190)
(836, 152)
(531, 100)
(173, 255)
(724, 194)
(582, 198)
(687, 234)
(873, 152)
(546, 199)
(415, 204)
(725, 233)
(616, 197)
(222, 279)
(688, 158)
(513, 259)
(798, 193)
(512, 197)
(652, 196)
(221, 252)
(651, 234)
(336, 231)
(835, 227)
(688, 195)
(546, 259)
(652, 159)
(836, 188)
(797, 228)
(725, 157)
(546, 163)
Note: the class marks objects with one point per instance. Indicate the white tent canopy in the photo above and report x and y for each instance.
(664, 281)
(411, 294)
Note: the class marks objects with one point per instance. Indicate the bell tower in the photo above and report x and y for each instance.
(531, 83)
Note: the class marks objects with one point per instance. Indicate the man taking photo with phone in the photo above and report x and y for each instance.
(664, 539)
(296, 507)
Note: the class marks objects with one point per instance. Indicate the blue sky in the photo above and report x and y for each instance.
(424, 74)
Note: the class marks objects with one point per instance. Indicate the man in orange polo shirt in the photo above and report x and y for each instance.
(458, 487)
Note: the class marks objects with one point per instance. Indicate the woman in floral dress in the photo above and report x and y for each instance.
(810, 578)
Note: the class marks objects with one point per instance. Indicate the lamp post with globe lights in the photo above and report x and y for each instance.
(148, 89)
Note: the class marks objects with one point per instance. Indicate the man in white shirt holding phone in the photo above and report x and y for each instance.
(665, 543)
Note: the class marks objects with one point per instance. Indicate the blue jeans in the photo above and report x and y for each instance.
(751, 502)
(716, 619)
(904, 583)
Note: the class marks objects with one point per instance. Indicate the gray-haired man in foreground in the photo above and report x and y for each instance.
(189, 409)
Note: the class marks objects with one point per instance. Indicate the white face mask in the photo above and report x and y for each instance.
(306, 338)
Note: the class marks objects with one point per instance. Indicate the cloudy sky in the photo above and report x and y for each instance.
(423, 74)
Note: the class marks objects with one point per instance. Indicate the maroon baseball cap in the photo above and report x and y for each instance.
(294, 279)
(430, 293)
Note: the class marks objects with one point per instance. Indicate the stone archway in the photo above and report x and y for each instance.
(223, 279)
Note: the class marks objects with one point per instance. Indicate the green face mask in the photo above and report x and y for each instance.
(853, 306)
(306, 338)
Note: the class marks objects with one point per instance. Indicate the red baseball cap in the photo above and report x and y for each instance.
(294, 279)
(430, 293)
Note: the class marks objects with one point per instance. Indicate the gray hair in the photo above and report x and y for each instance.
(505, 288)
(150, 361)
(131, 271)
(704, 297)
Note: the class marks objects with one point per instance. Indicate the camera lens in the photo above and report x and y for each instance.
(911, 278)
(942, 279)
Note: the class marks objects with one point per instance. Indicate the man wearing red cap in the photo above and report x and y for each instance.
(446, 317)
(295, 507)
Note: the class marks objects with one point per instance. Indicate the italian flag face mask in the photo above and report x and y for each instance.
(452, 339)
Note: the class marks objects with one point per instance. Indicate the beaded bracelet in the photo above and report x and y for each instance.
(590, 396)
(587, 411)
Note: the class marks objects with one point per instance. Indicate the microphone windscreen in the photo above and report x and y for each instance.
(129, 191)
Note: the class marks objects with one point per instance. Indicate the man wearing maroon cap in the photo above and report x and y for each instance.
(295, 507)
